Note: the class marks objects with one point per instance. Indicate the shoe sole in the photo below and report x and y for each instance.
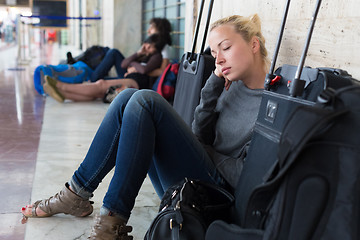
(51, 81)
(52, 92)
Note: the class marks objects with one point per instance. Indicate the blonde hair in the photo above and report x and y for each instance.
(247, 27)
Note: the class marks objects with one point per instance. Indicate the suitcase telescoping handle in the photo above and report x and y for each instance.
(192, 55)
(270, 77)
(207, 25)
(297, 85)
(191, 60)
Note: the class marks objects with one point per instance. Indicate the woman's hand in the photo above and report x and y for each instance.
(227, 84)
(221, 75)
(130, 70)
(142, 50)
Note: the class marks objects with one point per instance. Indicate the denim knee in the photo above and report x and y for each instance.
(113, 51)
(147, 96)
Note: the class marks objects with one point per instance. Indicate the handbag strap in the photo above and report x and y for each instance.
(176, 224)
(162, 78)
(175, 232)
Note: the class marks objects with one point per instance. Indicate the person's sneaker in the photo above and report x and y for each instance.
(51, 89)
(110, 228)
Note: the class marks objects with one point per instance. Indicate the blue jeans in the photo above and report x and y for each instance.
(112, 58)
(141, 134)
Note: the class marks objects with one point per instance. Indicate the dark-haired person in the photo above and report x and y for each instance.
(162, 27)
(114, 57)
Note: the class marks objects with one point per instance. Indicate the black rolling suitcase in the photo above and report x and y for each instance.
(194, 70)
(284, 94)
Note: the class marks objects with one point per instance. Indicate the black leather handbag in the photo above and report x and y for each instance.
(187, 209)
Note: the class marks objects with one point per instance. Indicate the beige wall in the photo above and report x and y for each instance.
(122, 25)
(107, 15)
(127, 26)
(94, 28)
(336, 37)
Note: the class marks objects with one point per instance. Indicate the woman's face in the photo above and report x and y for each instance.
(234, 56)
(149, 48)
(151, 29)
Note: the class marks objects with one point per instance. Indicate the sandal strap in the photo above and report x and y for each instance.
(33, 210)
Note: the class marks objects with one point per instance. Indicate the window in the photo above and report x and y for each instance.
(174, 11)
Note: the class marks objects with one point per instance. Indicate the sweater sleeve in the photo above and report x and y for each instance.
(126, 62)
(205, 116)
(153, 63)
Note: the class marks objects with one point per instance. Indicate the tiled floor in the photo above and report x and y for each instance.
(41, 144)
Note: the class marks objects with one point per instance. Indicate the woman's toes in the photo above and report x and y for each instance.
(26, 211)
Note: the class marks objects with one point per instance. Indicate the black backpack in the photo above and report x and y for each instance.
(92, 56)
(312, 191)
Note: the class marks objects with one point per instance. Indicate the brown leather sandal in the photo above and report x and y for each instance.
(63, 202)
(108, 227)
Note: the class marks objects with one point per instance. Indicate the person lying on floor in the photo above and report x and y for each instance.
(142, 134)
(138, 65)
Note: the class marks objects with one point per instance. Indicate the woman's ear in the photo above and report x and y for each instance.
(255, 44)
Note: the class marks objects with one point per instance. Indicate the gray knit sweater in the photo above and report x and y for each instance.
(224, 121)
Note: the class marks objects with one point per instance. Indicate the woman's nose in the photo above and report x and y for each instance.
(219, 59)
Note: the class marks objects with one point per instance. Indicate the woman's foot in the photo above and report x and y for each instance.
(65, 201)
(27, 211)
(51, 89)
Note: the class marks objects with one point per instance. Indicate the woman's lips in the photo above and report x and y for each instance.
(225, 70)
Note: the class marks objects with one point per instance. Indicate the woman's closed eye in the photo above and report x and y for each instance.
(226, 48)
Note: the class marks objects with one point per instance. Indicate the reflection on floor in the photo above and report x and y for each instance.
(41, 144)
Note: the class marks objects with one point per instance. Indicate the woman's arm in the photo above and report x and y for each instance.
(126, 62)
(205, 116)
(166, 60)
(153, 63)
(157, 72)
